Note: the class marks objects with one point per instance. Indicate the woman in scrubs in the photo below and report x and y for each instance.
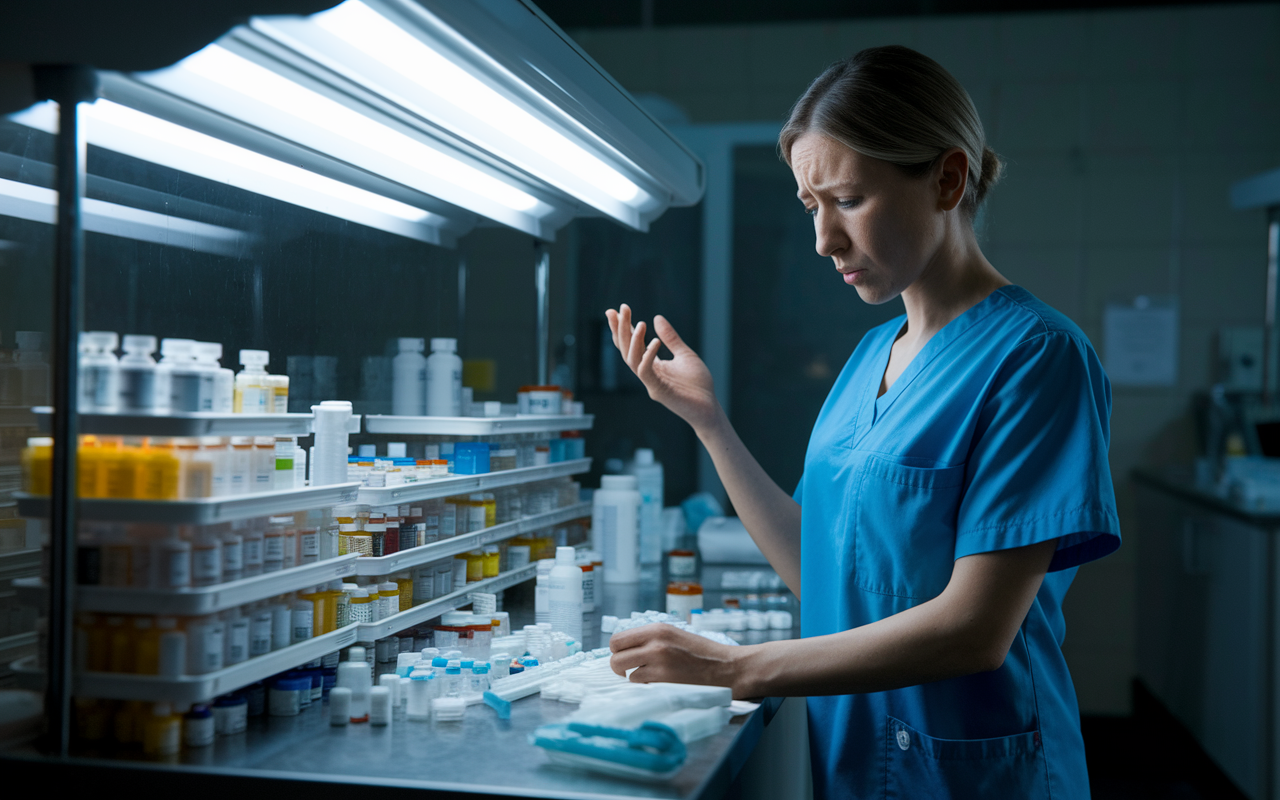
(955, 479)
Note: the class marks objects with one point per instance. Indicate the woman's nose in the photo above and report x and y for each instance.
(831, 238)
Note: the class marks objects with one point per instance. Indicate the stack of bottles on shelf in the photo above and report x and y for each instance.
(383, 530)
(177, 468)
(189, 378)
(443, 458)
(173, 646)
(154, 556)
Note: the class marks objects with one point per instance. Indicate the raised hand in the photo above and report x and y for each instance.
(682, 383)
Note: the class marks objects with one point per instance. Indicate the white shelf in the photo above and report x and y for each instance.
(192, 688)
(196, 600)
(385, 565)
(476, 426)
(191, 424)
(464, 484)
(205, 511)
(372, 631)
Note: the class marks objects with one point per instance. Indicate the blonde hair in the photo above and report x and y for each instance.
(900, 106)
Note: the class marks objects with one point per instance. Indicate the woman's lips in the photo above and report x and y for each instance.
(852, 277)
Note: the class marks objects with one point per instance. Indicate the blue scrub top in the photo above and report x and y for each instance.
(994, 437)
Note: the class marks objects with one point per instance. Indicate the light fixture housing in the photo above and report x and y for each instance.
(448, 111)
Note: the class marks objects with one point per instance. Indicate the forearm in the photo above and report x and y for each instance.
(768, 513)
(966, 629)
(917, 646)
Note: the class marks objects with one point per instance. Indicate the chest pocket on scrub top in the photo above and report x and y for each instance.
(904, 527)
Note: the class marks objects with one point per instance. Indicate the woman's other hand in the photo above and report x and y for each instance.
(665, 654)
(682, 383)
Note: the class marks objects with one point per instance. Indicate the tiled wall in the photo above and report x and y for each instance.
(1122, 132)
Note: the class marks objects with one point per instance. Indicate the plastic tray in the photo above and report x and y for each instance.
(192, 424)
(196, 600)
(464, 484)
(191, 688)
(476, 426)
(205, 511)
(372, 631)
(385, 565)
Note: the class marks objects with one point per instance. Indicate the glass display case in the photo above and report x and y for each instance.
(244, 292)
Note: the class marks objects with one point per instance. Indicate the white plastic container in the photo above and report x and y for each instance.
(99, 373)
(217, 384)
(541, 589)
(409, 379)
(444, 379)
(138, 375)
(252, 394)
(615, 527)
(184, 375)
(172, 352)
(648, 474)
(564, 594)
(329, 456)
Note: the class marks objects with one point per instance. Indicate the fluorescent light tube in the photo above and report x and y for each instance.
(219, 65)
(38, 204)
(368, 31)
(126, 130)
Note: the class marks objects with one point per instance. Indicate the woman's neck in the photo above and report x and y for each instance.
(957, 279)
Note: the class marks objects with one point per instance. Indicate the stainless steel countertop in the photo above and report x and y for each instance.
(480, 755)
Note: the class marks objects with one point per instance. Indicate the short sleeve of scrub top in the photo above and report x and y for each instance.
(994, 437)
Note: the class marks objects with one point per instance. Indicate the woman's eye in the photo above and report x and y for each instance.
(851, 203)
(813, 212)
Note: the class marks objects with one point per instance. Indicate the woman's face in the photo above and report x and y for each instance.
(880, 228)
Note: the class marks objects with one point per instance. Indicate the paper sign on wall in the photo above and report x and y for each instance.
(1141, 342)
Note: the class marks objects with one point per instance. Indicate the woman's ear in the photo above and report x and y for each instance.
(952, 178)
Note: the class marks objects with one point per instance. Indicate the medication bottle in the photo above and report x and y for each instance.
(99, 373)
(263, 464)
(160, 471)
(216, 381)
(588, 583)
(252, 395)
(184, 376)
(444, 379)
(492, 561)
(541, 591)
(649, 481)
(564, 594)
(162, 734)
(172, 660)
(240, 465)
(683, 598)
(232, 556)
(409, 379)
(172, 558)
(230, 714)
(283, 475)
(615, 522)
(278, 397)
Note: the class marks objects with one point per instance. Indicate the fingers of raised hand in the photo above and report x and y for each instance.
(635, 351)
(645, 369)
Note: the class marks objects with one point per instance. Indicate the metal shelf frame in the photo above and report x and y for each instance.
(196, 600)
(463, 484)
(193, 688)
(202, 423)
(205, 511)
(406, 559)
(476, 426)
(372, 631)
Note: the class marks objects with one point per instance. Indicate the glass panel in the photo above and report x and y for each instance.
(26, 275)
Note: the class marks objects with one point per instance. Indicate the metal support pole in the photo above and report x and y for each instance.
(462, 301)
(1269, 324)
(542, 281)
(69, 86)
